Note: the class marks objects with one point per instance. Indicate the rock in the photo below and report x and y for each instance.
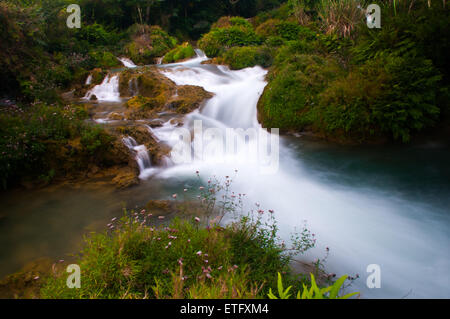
(125, 178)
(157, 93)
(26, 283)
(115, 116)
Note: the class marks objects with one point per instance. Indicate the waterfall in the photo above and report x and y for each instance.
(89, 80)
(360, 226)
(107, 91)
(133, 87)
(127, 63)
(142, 157)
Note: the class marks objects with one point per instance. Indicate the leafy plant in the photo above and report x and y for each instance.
(313, 292)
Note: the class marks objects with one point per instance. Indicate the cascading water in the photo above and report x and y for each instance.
(142, 157)
(107, 91)
(361, 227)
(89, 80)
(127, 63)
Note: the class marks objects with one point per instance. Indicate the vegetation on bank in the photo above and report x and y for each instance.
(142, 256)
(180, 53)
(40, 142)
(328, 72)
(332, 75)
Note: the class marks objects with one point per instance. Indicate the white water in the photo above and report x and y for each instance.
(142, 157)
(127, 63)
(107, 91)
(89, 80)
(361, 227)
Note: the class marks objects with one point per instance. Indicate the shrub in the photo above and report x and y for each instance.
(181, 52)
(294, 84)
(34, 138)
(314, 292)
(148, 43)
(285, 29)
(341, 16)
(389, 95)
(237, 32)
(243, 57)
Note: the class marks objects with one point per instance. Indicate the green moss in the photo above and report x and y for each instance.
(390, 96)
(237, 32)
(243, 57)
(181, 52)
(292, 91)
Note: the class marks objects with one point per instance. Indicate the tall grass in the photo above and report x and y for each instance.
(341, 16)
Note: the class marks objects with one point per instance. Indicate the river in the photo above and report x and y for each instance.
(383, 205)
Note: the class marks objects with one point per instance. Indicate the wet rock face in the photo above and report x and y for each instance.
(142, 136)
(156, 94)
(125, 177)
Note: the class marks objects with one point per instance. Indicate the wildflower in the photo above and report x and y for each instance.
(235, 266)
(180, 261)
(61, 260)
(143, 211)
(206, 255)
(199, 253)
(208, 275)
(220, 268)
(161, 217)
(185, 190)
(271, 211)
(188, 240)
(197, 219)
(206, 261)
(149, 215)
(201, 188)
(174, 196)
(36, 278)
(114, 219)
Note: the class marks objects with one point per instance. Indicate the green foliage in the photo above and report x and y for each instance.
(137, 261)
(314, 292)
(148, 43)
(293, 87)
(238, 32)
(243, 57)
(104, 59)
(33, 138)
(183, 258)
(181, 52)
(95, 140)
(341, 16)
(286, 30)
(393, 95)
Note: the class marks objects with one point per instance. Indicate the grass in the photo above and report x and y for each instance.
(143, 256)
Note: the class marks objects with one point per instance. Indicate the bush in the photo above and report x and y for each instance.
(389, 95)
(235, 32)
(148, 43)
(181, 52)
(294, 84)
(285, 29)
(243, 57)
(33, 139)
